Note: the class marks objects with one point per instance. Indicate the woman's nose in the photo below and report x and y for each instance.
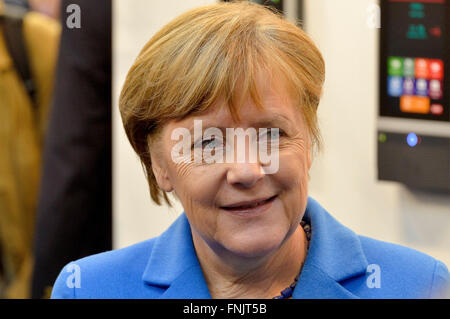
(245, 174)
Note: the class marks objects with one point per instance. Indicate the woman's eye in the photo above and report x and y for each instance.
(271, 134)
(209, 143)
(206, 143)
(214, 142)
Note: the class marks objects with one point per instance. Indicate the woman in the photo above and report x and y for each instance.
(212, 78)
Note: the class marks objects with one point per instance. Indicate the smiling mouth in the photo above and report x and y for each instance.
(249, 206)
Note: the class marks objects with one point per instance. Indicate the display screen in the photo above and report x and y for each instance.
(414, 60)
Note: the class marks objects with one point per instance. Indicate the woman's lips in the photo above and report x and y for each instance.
(253, 209)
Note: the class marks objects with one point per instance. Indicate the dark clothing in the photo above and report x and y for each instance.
(28, 53)
(74, 208)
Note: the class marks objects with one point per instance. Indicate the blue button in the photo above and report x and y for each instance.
(395, 86)
(412, 139)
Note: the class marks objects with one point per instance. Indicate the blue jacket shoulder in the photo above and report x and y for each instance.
(400, 271)
(112, 274)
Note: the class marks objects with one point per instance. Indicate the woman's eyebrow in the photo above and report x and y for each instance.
(276, 120)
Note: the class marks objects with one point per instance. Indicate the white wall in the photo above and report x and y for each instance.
(343, 177)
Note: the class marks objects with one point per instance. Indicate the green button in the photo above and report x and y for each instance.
(395, 66)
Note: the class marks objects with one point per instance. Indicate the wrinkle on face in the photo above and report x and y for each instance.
(202, 187)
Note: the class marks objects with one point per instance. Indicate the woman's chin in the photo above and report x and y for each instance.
(252, 246)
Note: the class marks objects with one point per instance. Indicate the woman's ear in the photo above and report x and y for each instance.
(160, 171)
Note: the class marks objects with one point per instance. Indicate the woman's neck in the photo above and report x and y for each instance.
(232, 277)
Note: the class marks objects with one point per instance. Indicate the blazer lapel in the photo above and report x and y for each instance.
(335, 254)
(315, 284)
(173, 264)
(189, 285)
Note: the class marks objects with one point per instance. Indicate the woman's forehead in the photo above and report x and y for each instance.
(275, 100)
(277, 108)
(269, 117)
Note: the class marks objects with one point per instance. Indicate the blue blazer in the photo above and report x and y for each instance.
(339, 264)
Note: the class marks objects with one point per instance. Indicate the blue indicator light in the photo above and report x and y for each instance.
(412, 139)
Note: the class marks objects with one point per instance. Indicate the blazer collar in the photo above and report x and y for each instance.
(335, 254)
(173, 264)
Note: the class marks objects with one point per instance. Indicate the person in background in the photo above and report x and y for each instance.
(28, 52)
(74, 206)
(18, 3)
(50, 8)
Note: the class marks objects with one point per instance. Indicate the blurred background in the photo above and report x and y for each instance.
(71, 185)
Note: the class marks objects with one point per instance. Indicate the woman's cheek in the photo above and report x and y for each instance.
(293, 161)
(198, 182)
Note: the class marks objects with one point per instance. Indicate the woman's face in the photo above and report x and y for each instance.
(209, 191)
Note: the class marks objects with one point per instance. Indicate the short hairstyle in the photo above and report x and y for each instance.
(206, 54)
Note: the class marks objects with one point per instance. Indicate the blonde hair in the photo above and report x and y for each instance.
(206, 54)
